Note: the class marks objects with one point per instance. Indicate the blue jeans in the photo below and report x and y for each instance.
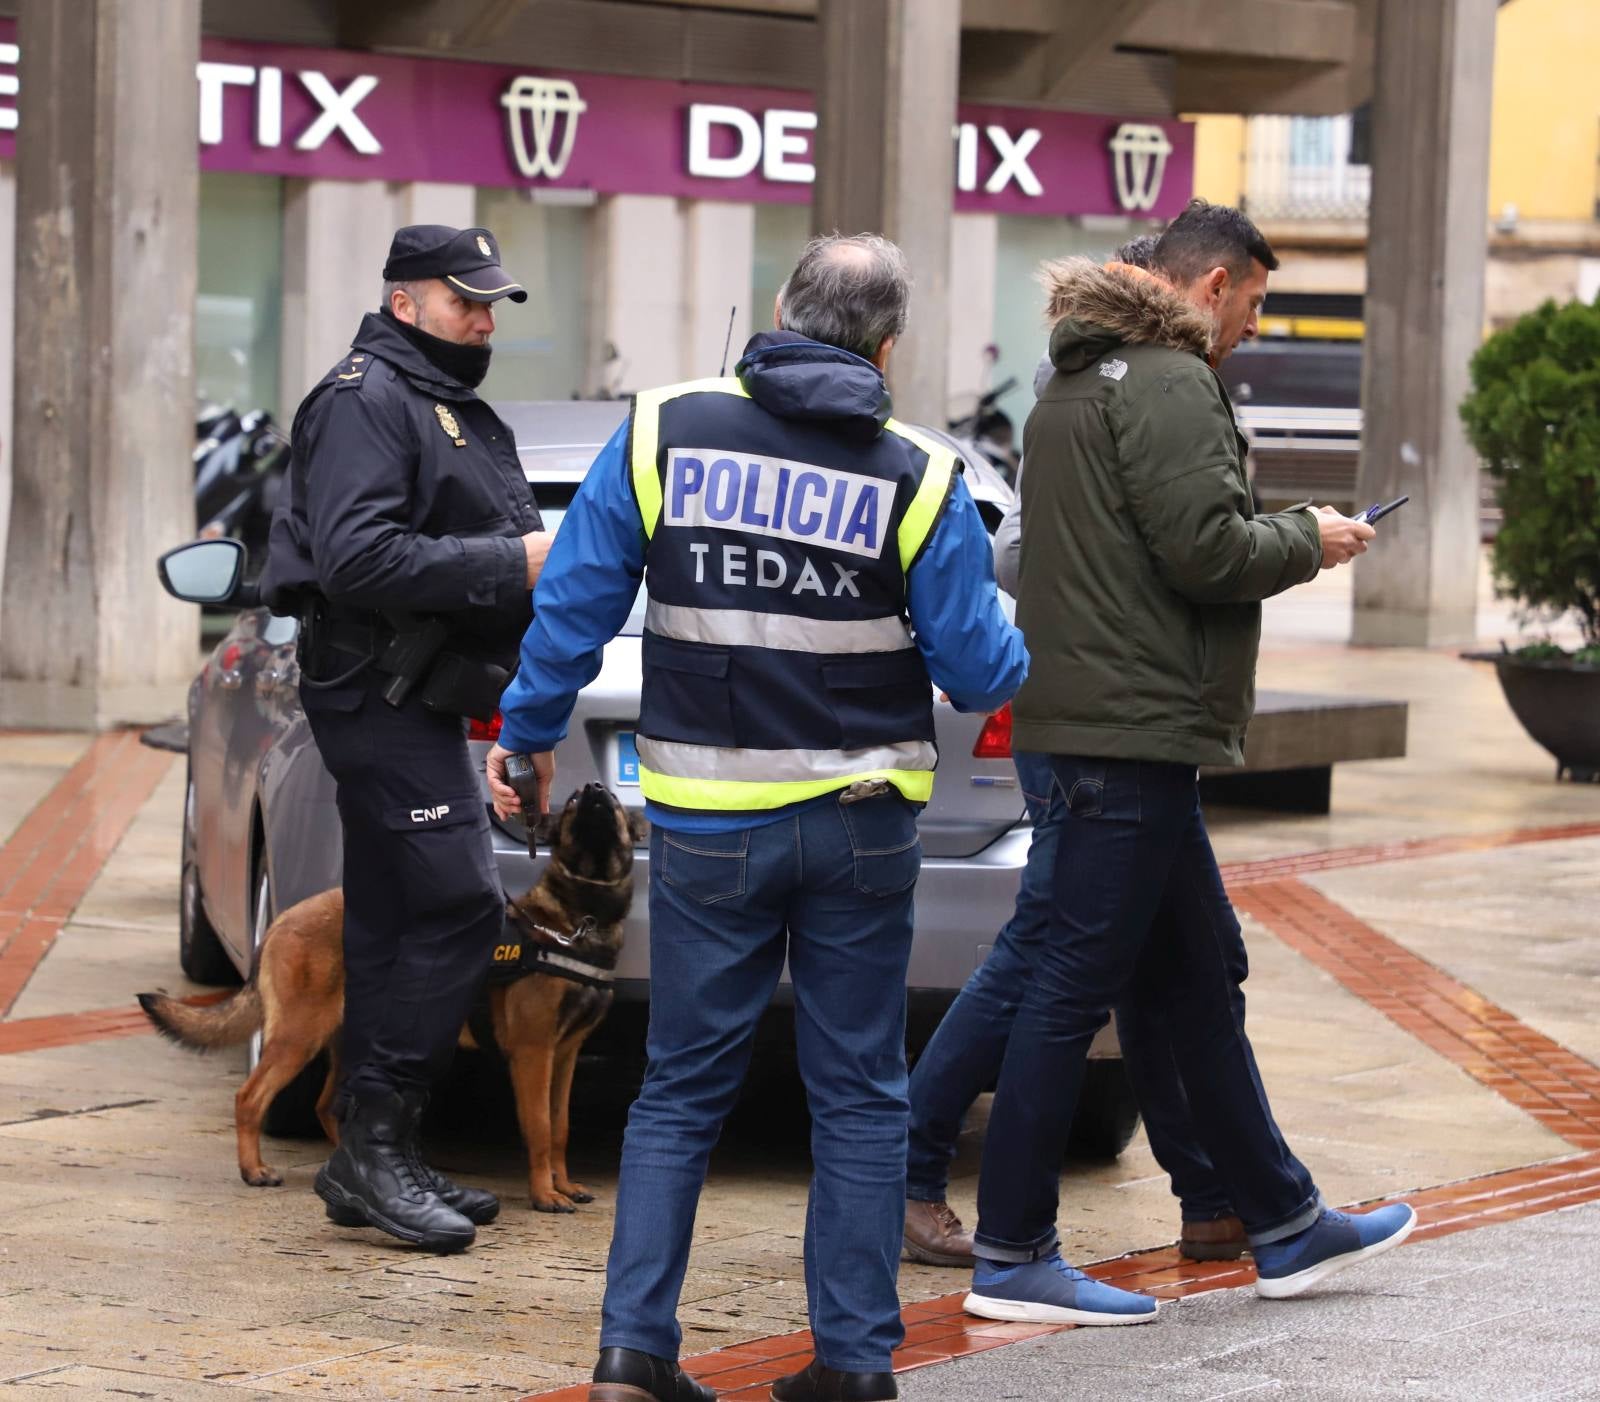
(963, 1057)
(831, 886)
(1138, 916)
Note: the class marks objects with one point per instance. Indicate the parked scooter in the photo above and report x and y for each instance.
(989, 429)
(239, 466)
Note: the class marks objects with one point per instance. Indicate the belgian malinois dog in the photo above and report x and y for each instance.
(540, 1019)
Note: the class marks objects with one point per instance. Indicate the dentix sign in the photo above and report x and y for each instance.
(333, 114)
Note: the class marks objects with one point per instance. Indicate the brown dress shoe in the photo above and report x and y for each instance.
(1220, 1240)
(935, 1236)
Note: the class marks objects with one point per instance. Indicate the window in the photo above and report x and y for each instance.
(781, 232)
(1025, 241)
(540, 347)
(237, 310)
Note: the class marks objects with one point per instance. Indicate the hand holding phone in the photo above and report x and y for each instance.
(1376, 512)
(1343, 537)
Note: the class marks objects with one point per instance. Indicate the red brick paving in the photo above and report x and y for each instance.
(1538, 1075)
(938, 1330)
(50, 861)
(1495, 1048)
(48, 864)
(1237, 874)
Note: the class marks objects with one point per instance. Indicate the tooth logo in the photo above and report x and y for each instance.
(1139, 154)
(534, 109)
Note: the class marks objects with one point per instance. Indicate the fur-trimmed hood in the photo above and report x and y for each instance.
(1094, 309)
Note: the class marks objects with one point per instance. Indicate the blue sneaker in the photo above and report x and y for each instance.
(1335, 1240)
(1050, 1291)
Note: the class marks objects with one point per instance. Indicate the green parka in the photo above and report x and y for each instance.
(1142, 561)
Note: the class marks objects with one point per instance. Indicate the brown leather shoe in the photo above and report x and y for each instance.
(935, 1236)
(1220, 1240)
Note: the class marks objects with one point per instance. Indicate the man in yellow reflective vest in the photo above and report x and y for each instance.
(814, 570)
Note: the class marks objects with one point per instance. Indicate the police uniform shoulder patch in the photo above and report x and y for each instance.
(447, 421)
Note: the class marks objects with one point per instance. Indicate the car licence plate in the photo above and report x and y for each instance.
(627, 765)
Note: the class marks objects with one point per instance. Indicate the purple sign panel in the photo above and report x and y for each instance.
(341, 115)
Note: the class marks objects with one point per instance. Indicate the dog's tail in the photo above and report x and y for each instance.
(223, 1024)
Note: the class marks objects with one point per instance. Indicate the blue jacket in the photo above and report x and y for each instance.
(597, 562)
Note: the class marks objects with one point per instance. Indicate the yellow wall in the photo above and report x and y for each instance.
(1219, 158)
(1546, 144)
(1545, 148)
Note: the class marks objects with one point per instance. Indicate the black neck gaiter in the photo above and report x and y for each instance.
(465, 364)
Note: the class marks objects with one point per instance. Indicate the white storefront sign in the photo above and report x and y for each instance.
(779, 142)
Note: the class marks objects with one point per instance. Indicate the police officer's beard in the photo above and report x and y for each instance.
(465, 364)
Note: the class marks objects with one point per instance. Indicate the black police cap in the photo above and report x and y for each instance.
(467, 260)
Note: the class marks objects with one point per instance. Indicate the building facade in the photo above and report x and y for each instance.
(1307, 180)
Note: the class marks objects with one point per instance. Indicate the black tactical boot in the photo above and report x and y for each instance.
(818, 1384)
(372, 1180)
(626, 1375)
(477, 1205)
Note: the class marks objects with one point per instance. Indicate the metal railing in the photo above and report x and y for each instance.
(1300, 168)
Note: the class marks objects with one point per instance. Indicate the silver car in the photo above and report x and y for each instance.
(261, 831)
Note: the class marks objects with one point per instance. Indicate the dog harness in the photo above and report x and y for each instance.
(527, 947)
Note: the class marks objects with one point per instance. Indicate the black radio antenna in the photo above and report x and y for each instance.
(727, 340)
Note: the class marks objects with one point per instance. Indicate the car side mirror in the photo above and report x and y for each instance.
(204, 571)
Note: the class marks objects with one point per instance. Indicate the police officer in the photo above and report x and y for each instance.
(812, 566)
(408, 544)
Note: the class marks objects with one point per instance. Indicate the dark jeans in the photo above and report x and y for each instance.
(1138, 915)
(423, 904)
(963, 1058)
(830, 886)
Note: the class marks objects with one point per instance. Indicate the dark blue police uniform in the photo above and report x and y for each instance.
(399, 547)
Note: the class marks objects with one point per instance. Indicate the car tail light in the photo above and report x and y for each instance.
(484, 729)
(994, 740)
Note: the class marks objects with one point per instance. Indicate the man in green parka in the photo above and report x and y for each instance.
(1143, 567)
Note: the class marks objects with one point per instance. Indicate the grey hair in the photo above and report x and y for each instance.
(848, 290)
(413, 290)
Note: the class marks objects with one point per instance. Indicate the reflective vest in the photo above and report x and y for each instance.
(778, 658)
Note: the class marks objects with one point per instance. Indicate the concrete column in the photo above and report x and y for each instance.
(886, 162)
(639, 301)
(336, 237)
(974, 253)
(107, 214)
(427, 202)
(1424, 311)
(8, 268)
(718, 257)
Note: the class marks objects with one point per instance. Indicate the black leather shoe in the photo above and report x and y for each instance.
(372, 1180)
(626, 1375)
(818, 1384)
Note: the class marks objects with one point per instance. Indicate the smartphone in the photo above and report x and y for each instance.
(1375, 513)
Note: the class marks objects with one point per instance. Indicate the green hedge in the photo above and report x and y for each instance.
(1534, 416)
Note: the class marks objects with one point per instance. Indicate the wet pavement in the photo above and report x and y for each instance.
(1424, 1015)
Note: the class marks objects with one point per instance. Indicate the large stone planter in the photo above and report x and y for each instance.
(1559, 706)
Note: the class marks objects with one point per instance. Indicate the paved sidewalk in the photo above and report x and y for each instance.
(1497, 1314)
(1425, 965)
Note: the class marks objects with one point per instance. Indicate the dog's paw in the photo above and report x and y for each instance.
(262, 1177)
(552, 1202)
(575, 1191)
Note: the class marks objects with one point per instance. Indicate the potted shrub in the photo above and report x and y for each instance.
(1534, 416)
